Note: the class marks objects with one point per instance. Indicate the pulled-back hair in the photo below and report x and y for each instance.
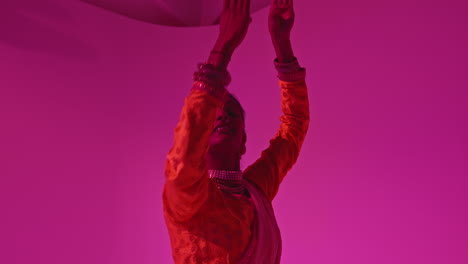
(233, 97)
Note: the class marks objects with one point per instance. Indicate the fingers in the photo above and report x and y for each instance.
(283, 3)
(241, 6)
(246, 6)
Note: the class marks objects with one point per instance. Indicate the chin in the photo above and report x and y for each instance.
(220, 139)
(221, 146)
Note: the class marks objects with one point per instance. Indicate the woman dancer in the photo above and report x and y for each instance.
(214, 211)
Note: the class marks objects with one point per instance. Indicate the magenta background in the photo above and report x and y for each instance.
(89, 99)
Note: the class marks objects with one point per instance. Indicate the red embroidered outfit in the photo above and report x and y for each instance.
(208, 222)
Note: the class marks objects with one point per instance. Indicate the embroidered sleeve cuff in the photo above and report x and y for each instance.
(219, 92)
(209, 73)
(211, 80)
(290, 71)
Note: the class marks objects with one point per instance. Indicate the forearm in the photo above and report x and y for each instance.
(191, 138)
(295, 109)
(283, 49)
(219, 58)
(220, 55)
(294, 105)
(187, 181)
(191, 135)
(270, 169)
(197, 118)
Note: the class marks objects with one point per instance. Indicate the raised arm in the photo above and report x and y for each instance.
(187, 184)
(271, 168)
(280, 23)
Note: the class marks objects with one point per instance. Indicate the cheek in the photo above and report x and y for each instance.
(218, 113)
(242, 124)
(241, 131)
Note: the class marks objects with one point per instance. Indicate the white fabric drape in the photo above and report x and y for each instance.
(181, 13)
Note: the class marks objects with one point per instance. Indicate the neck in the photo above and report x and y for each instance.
(220, 162)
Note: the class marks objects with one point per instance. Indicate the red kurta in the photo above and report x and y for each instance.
(206, 225)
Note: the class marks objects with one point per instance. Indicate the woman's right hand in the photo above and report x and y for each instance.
(234, 23)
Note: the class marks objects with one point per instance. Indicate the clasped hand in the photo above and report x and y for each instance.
(234, 23)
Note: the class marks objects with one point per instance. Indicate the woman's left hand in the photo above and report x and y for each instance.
(281, 19)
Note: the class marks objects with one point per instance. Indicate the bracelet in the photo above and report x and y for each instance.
(208, 72)
(292, 76)
(217, 91)
(287, 66)
(289, 71)
(220, 57)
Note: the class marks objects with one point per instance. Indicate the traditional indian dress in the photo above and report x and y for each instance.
(226, 216)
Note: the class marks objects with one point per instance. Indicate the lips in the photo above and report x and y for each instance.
(224, 128)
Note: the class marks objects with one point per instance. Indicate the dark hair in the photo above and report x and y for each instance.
(234, 98)
(240, 106)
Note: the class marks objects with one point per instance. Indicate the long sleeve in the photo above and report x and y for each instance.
(187, 183)
(270, 169)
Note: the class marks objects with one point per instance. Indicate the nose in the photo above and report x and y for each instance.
(223, 116)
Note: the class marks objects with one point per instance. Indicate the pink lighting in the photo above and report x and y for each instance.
(181, 13)
(89, 100)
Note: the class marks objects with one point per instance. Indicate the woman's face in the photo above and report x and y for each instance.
(228, 135)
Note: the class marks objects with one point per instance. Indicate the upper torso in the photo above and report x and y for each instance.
(205, 224)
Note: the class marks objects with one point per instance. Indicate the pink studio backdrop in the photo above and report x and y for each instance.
(89, 99)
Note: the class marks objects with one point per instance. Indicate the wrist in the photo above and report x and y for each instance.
(285, 57)
(289, 71)
(219, 59)
(283, 50)
(209, 74)
(280, 37)
(223, 47)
